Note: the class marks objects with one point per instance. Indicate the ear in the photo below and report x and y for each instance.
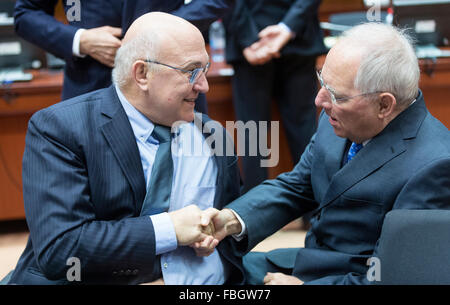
(387, 105)
(139, 72)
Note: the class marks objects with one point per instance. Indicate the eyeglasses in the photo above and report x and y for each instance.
(195, 74)
(334, 99)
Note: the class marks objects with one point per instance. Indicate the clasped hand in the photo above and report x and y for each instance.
(271, 40)
(203, 230)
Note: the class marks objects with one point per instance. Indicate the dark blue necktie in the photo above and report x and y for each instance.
(157, 198)
(354, 148)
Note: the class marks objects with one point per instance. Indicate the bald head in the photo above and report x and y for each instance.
(161, 67)
(162, 23)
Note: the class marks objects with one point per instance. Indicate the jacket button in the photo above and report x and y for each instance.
(135, 272)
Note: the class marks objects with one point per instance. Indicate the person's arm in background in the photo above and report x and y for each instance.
(203, 12)
(278, 35)
(242, 28)
(34, 21)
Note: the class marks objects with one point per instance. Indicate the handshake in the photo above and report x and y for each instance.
(271, 40)
(203, 230)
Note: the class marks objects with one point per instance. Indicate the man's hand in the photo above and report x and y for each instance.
(188, 225)
(271, 40)
(257, 54)
(225, 223)
(101, 44)
(275, 37)
(281, 279)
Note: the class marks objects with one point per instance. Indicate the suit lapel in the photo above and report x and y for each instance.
(333, 158)
(375, 154)
(379, 151)
(120, 137)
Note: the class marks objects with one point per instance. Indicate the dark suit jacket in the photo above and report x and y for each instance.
(251, 16)
(199, 12)
(34, 22)
(406, 166)
(84, 186)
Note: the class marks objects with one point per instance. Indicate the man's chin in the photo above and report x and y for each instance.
(188, 117)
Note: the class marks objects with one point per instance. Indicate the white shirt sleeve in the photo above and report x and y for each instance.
(76, 43)
(287, 28)
(165, 236)
(241, 235)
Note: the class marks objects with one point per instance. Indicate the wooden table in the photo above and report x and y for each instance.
(18, 101)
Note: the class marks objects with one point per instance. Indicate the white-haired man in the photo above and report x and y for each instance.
(377, 148)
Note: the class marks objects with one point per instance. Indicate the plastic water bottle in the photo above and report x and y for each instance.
(217, 40)
(390, 16)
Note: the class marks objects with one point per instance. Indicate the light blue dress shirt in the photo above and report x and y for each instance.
(194, 182)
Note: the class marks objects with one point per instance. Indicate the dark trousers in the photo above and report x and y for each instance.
(291, 81)
(257, 264)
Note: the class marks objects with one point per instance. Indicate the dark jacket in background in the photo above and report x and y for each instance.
(34, 22)
(249, 17)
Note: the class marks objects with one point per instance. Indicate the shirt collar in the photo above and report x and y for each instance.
(141, 125)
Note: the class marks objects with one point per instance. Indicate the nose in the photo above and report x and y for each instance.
(201, 84)
(323, 99)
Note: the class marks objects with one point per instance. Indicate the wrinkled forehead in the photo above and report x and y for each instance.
(341, 65)
(189, 46)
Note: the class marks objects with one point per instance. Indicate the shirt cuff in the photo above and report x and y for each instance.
(243, 233)
(165, 236)
(76, 43)
(287, 28)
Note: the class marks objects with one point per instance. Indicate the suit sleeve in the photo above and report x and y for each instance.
(429, 188)
(299, 13)
(268, 207)
(203, 12)
(34, 21)
(61, 216)
(241, 25)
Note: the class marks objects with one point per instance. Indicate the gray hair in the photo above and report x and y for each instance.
(140, 47)
(388, 61)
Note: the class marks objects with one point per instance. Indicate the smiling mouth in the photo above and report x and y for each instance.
(190, 100)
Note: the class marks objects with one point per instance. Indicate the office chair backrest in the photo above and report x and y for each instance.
(414, 247)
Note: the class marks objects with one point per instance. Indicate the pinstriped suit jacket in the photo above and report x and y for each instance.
(83, 188)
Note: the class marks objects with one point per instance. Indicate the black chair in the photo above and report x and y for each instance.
(350, 19)
(414, 248)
